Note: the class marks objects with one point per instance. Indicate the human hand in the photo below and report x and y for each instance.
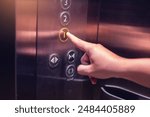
(97, 62)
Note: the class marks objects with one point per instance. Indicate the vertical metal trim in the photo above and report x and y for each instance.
(36, 47)
(98, 20)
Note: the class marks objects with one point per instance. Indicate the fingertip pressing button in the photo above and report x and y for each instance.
(63, 34)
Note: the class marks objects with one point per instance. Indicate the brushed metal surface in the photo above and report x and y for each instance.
(84, 24)
(49, 25)
(26, 19)
(124, 28)
(125, 25)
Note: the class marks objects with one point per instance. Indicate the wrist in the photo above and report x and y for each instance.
(123, 68)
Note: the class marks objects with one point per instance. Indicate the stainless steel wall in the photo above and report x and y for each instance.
(125, 25)
(37, 27)
(55, 82)
(26, 29)
(124, 28)
(120, 25)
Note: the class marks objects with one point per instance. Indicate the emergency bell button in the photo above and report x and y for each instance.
(65, 4)
(70, 71)
(63, 34)
(71, 56)
(65, 18)
(53, 60)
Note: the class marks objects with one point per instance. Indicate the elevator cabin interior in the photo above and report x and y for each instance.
(46, 61)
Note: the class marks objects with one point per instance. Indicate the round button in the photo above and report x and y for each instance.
(70, 71)
(53, 60)
(65, 18)
(62, 34)
(65, 4)
(71, 56)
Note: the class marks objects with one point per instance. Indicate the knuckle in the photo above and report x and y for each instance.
(95, 46)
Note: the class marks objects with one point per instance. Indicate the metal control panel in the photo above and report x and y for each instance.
(57, 57)
(46, 61)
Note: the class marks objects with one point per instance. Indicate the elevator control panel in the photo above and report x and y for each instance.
(57, 57)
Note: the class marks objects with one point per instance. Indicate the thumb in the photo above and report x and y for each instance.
(84, 69)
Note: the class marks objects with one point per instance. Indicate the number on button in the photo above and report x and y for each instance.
(62, 34)
(65, 4)
(65, 18)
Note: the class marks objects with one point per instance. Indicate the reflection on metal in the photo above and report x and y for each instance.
(26, 48)
(27, 45)
(122, 25)
(139, 96)
(26, 19)
(110, 96)
(26, 26)
(79, 21)
(125, 36)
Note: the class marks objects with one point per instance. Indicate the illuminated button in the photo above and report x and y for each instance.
(65, 4)
(70, 71)
(62, 34)
(71, 56)
(65, 18)
(53, 60)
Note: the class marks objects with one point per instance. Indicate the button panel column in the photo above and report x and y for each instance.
(57, 57)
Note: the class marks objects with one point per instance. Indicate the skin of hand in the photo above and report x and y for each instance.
(99, 62)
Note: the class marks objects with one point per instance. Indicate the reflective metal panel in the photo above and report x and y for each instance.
(57, 57)
(125, 25)
(124, 28)
(43, 51)
(26, 17)
(26, 11)
(51, 19)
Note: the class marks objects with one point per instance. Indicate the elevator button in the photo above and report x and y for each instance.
(53, 60)
(65, 4)
(62, 34)
(70, 71)
(65, 18)
(71, 56)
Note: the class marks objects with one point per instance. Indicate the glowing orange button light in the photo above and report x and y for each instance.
(62, 34)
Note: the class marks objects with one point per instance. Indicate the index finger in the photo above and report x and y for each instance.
(83, 45)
